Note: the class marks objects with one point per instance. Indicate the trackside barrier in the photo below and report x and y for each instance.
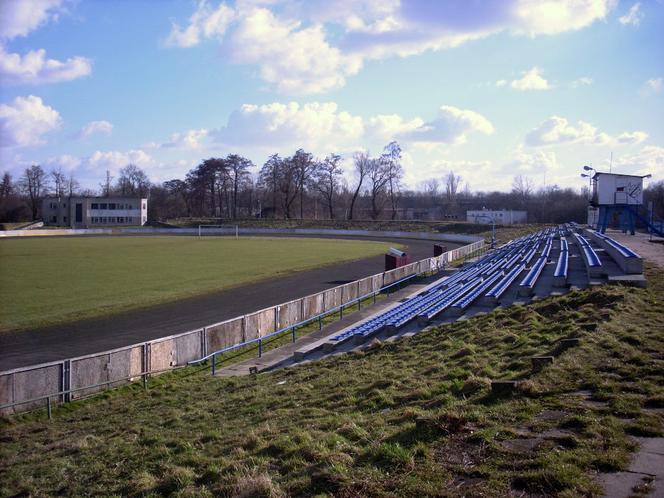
(36, 386)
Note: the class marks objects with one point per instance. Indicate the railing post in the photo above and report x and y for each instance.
(320, 322)
(341, 312)
(293, 334)
(260, 347)
(214, 364)
(48, 406)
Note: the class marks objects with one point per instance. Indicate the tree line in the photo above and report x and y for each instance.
(305, 187)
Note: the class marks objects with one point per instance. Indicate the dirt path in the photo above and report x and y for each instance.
(54, 343)
(640, 243)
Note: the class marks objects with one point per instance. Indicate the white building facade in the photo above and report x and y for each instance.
(84, 212)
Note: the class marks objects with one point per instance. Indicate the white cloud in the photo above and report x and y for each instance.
(94, 127)
(635, 137)
(531, 162)
(113, 161)
(35, 68)
(652, 86)
(322, 127)
(634, 16)
(531, 80)
(20, 17)
(312, 47)
(450, 127)
(205, 22)
(65, 162)
(312, 125)
(24, 122)
(190, 139)
(583, 81)
(557, 130)
(293, 59)
(649, 160)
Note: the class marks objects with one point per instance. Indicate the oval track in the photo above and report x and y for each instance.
(31, 347)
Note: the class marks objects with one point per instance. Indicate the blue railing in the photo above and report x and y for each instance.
(293, 328)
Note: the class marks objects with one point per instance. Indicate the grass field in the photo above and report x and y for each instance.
(54, 280)
(412, 418)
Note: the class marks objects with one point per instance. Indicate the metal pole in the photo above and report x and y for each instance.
(293, 334)
(341, 312)
(320, 322)
(48, 406)
(214, 364)
(260, 347)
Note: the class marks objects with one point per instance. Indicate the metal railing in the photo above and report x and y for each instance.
(293, 328)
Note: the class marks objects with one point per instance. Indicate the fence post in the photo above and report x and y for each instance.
(260, 347)
(214, 364)
(66, 380)
(293, 334)
(48, 406)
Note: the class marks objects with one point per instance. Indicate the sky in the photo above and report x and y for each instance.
(489, 89)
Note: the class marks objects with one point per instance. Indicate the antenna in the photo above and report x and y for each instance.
(611, 162)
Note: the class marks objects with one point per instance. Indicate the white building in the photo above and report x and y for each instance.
(503, 217)
(83, 212)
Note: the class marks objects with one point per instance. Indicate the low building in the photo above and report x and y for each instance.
(502, 217)
(84, 212)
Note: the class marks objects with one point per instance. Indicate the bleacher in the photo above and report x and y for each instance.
(562, 266)
(628, 261)
(590, 258)
(486, 279)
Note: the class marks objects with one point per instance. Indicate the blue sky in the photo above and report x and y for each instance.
(489, 89)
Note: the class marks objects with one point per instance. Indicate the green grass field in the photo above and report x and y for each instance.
(48, 280)
(413, 418)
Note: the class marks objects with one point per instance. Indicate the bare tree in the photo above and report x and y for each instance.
(34, 184)
(361, 162)
(268, 178)
(522, 186)
(304, 165)
(59, 183)
(72, 185)
(327, 180)
(133, 181)
(391, 159)
(238, 168)
(452, 183)
(379, 177)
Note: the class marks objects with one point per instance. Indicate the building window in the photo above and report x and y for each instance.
(64, 219)
(102, 206)
(144, 206)
(120, 219)
(94, 206)
(54, 219)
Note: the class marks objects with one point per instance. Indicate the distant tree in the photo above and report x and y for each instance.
(304, 166)
(59, 182)
(268, 179)
(378, 176)
(522, 187)
(238, 168)
(34, 184)
(391, 159)
(327, 180)
(452, 183)
(72, 185)
(361, 163)
(133, 182)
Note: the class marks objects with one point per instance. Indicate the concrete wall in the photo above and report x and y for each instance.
(114, 367)
(225, 334)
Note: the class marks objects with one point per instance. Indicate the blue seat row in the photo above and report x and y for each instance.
(466, 301)
(590, 255)
(622, 249)
(531, 277)
(563, 259)
(462, 288)
(506, 281)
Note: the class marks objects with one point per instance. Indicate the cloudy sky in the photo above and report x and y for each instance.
(487, 88)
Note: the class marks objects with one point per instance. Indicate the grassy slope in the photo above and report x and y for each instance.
(412, 418)
(50, 280)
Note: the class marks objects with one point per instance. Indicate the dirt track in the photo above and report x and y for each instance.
(31, 347)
